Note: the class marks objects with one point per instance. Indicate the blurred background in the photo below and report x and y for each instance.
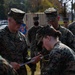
(64, 7)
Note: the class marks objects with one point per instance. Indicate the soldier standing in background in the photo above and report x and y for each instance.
(32, 40)
(71, 27)
(61, 57)
(65, 22)
(67, 36)
(13, 46)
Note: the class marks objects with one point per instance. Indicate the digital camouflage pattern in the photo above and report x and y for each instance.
(61, 61)
(71, 27)
(13, 47)
(67, 38)
(5, 68)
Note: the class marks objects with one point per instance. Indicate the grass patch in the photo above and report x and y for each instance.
(37, 72)
(61, 22)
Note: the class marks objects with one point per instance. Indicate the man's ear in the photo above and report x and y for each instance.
(48, 37)
(58, 18)
(9, 19)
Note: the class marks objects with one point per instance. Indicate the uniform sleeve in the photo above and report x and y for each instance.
(71, 27)
(54, 64)
(71, 40)
(5, 68)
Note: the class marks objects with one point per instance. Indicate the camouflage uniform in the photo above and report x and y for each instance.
(5, 68)
(31, 38)
(71, 27)
(13, 47)
(61, 61)
(61, 58)
(67, 38)
(65, 22)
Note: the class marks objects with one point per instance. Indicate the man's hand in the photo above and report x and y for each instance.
(15, 65)
(36, 59)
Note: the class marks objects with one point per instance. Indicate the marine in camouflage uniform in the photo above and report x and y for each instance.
(32, 40)
(61, 57)
(67, 36)
(6, 68)
(13, 45)
(65, 22)
(71, 27)
(61, 61)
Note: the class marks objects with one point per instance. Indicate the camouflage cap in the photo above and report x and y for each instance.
(46, 30)
(65, 19)
(35, 18)
(16, 14)
(51, 13)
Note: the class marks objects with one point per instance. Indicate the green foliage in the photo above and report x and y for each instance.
(40, 5)
(45, 4)
(26, 5)
(2, 10)
(21, 4)
(1, 1)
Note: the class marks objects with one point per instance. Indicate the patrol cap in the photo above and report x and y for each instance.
(35, 18)
(16, 14)
(51, 13)
(46, 30)
(65, 19)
